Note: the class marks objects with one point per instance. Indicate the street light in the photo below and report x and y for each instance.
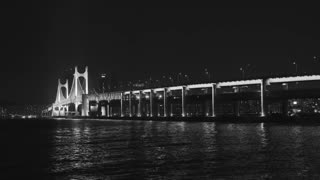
(207, 74)
(242, 71)
(186, 78)
(171, 81)
(316, 60)
(179, 78)
(296, 64)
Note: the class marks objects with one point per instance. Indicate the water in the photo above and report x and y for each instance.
(91, 149)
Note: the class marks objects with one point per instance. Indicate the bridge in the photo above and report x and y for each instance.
(262, 96)
(70, 102)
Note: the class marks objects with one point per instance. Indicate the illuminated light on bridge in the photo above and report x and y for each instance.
(294, 79)
(239, 83)
(157, 98)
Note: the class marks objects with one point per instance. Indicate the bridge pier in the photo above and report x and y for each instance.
(61, 111)
(85, 105)
(76, 108)
(262, 92)
(213, 91)
(183, 103)
(103, 111)
(165, 102)
(130, 104)
(108, 109)
(151, 103)
(121, 104)
(139, 104)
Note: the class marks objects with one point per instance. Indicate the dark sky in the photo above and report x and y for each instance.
(41, 40)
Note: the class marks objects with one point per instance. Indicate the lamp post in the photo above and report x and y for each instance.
(179, 78)
(171, 81)
(296, 65)
(316, 60)
(186, 79)
(207, 74)
(242, 72)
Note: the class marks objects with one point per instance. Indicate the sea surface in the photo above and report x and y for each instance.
(126, 149)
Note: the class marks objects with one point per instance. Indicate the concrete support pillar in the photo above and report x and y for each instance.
(85, 105)
(76, 108)
(212, 100)
(75, 85)
(108, 110)
(165, 102)
(284, 102)
(67, 110)
(87, 81)
(183, 103)
(139, 105)
(103, 111)
(59, 111)
(62, 111)
(262, 89)
(130, 104)
(151, 103)
(121, 104)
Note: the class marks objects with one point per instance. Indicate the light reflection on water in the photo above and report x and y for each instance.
(151, 149)
(168, 150)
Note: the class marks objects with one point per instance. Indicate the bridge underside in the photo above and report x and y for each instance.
(234, 104)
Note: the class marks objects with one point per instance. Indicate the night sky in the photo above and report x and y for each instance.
(41, 40)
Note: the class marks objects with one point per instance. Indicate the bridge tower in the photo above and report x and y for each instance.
(78, 89)
(60, 97)
(78, 75)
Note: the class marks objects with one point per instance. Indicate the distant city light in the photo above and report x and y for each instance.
(295, 102)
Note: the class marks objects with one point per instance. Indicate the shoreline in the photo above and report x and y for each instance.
(226, 119)
(222, 119)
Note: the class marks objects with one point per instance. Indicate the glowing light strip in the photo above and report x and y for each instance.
(146, 90)
(239, 83)
(193, 86)
(175, 88)
(127, 92)
(135, 92)
(158, 89)
(294, 79)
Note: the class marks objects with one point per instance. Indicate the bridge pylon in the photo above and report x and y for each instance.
(77, 75)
